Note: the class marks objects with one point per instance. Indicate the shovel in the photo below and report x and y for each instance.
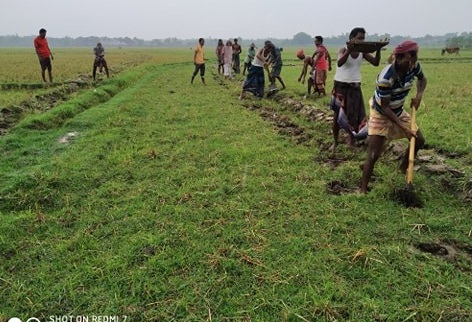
(411, 156)
(408, 196)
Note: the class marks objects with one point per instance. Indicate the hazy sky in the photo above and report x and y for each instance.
(186, 19)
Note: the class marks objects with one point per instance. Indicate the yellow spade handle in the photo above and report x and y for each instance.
(411, 157)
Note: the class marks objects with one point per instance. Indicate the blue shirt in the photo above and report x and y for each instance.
(389, 85)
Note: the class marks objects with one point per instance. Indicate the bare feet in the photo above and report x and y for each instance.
(362, 191)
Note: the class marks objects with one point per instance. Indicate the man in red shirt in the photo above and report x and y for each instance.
(321, 65)
(44, 54)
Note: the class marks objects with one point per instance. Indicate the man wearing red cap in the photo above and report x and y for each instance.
(388, 120)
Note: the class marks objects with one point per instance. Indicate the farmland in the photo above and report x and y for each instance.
(146, 197)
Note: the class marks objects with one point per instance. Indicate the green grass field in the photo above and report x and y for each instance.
(144, 198)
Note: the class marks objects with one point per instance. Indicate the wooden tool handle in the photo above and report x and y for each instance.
(411, 157)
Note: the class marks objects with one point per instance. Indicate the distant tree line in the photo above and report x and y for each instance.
(463, 40)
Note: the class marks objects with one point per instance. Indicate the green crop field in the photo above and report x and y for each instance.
(144, 198)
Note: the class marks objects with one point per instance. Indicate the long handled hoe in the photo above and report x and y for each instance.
(407, 196)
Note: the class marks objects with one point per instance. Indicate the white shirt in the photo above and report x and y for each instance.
(350, 71)
(257, 61)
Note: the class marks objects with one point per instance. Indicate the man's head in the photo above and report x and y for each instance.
(300, 54)
(201, 41)
(268, 46)
(406, 55)
(235, 40)
(318, 41)
(42, 32)
(358, 34)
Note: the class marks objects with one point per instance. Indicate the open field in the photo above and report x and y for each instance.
(144, 197)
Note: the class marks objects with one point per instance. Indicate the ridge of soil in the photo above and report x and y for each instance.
(429, 160)
(11, 115)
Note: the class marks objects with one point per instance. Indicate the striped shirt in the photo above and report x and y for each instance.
(389, 85)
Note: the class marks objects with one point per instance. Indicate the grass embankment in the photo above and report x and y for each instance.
(175, 202)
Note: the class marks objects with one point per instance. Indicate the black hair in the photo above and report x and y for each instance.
(355, 31)
(42, 30)
(319, 38)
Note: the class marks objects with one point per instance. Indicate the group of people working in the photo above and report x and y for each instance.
(320, 63)
(45, 57)
(228, 56)
(257, 60)
(388, 119)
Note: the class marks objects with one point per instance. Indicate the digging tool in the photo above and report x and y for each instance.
(408, 196)
(411, 156)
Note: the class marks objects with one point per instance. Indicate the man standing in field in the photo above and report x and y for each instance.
(236, 53)
(99, 61)
(276, 63)
(321, 64)
(307, 62)
(199, 61)
(219, 56)
(388, 120)
(255, 78)
(44, 54)
(347, 101)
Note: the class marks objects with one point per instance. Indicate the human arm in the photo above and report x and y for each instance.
(343, 54)
(316, 56)
(420, 87)
(263, 55)
(386, 88)
(373, 60)
(328, 58)
(303, 74)
(37, 53)
(387, 111)
(36, 48)
(50, 53)
(251, 53)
